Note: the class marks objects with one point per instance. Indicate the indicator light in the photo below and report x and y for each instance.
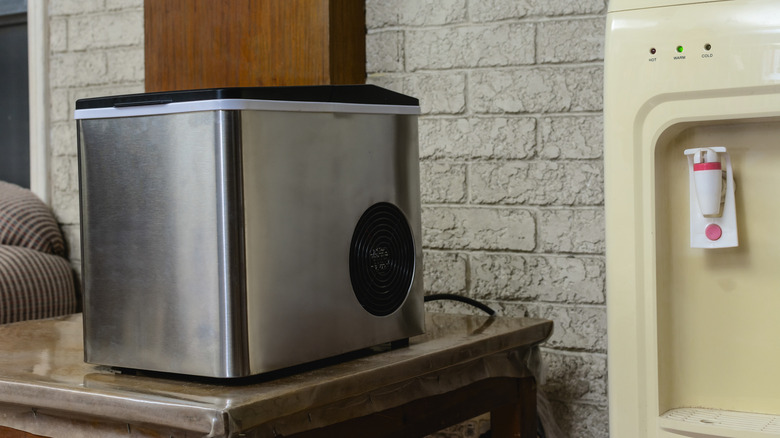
(679, 49)
(652, 51)
(707, 47)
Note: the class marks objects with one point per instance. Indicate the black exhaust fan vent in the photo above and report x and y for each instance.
(381, 259)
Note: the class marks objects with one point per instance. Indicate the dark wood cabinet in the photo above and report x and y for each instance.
(193, 44)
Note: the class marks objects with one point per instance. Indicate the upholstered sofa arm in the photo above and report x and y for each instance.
(27, 222)
(36, 280)
(34, 285)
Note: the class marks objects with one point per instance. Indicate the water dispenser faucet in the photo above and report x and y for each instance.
(708, 177)
(712, 210)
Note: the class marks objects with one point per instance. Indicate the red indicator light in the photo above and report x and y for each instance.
(652, 51)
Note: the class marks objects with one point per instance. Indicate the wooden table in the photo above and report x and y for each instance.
(463, 366)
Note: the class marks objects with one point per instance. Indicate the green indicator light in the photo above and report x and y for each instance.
(679, 49)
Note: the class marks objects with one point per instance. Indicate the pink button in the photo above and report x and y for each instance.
(713, 232)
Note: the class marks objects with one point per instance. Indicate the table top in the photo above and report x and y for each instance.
(42, 370)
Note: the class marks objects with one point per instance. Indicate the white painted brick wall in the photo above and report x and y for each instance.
(561, 41)
(478, 228)
(469, 46)
(511, 169)
(571, 137)
(537, 183)
(105, 30)
(96, 49)
(414, 13)
(487, 138)
(74, 7)
(494, 10)
(446, 272)
(443, 181)
(536, 90)
(572, 230)
(389, 48)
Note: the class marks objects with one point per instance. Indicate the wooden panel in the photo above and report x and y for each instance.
(206, 43)
(348, 42)
(512, 401)
(519, 418)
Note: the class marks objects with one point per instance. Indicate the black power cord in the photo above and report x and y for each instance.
(466, 300)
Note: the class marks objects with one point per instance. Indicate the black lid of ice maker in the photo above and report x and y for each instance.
(358, 94)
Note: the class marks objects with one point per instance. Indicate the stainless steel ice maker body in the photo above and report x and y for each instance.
(219, 229)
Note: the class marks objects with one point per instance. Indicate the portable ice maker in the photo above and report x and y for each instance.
(230, 232)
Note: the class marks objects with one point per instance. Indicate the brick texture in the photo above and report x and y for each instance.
(571, 138)
(542, 278)
(575, 376)
(478, 228)
(481, 137)
(389, 46)
(537, 183)
(445, 272)
(382, 13)
(493, 10)
(105, 30)
(537, 90)
(472, 46)
(511, 149)
(443, 182)
(561, 41)
(572, 231)
(75, 7)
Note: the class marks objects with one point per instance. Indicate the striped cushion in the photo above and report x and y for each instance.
(27, 222)
(34, 285)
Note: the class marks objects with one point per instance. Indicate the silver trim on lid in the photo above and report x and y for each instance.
(242, 104)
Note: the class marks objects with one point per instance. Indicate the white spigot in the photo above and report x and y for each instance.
(712, 209)
(708, 178)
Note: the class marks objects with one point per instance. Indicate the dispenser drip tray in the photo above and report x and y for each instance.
(719, 423)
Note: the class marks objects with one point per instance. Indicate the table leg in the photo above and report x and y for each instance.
(517, 420)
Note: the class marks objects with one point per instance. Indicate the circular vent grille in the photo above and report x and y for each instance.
(381, 259)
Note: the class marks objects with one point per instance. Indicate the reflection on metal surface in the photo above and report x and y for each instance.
(151, 240)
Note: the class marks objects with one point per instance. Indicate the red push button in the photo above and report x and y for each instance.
(713, 232)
